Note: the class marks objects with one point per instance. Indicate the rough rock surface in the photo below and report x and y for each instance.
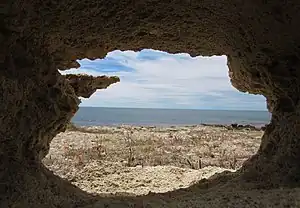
(86, 85)
(39, 37)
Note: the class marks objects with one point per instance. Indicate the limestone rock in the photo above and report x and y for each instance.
(85, 85)
(260, 39)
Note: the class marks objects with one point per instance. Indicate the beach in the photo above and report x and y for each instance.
(136, 160)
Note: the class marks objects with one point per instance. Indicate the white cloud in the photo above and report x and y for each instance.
(157, 79)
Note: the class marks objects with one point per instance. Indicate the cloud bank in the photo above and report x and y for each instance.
(156, 79)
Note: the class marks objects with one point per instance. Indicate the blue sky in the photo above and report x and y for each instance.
(156, 79)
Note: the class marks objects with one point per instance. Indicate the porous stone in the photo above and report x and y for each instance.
(39, 37)
(85, 85)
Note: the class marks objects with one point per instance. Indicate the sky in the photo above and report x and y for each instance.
(156, 79)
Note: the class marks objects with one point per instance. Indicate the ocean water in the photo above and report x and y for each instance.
(96, 116)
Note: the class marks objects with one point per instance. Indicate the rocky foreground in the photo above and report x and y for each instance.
(139, 160)
(141, 167)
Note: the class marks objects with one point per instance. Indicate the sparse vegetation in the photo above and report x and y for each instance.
(72, 127)
(129, 145)
(104, 153)
(189, 147)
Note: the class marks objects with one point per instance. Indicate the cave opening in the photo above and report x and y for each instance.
(135, 136)
(37, 38)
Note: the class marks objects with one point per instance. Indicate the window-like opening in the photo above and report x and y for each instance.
(171, 119)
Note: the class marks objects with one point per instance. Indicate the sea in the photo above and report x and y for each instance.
(102, 116)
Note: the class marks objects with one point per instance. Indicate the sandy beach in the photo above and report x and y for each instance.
(138, 160)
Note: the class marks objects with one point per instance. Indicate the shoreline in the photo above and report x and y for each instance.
(232, 126)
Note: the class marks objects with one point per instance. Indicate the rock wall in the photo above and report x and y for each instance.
(39, 37)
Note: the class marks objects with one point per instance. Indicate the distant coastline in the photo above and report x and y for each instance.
(234, 126)
(239, 126)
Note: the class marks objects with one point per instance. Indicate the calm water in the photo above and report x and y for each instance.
(90, 116)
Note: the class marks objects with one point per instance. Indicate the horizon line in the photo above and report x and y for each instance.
(174, 108)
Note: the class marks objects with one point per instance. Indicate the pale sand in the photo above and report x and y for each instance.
(141, 160)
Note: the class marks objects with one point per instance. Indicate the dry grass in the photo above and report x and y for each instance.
(185, 147)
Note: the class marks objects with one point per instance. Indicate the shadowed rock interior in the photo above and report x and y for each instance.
(39, 37)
